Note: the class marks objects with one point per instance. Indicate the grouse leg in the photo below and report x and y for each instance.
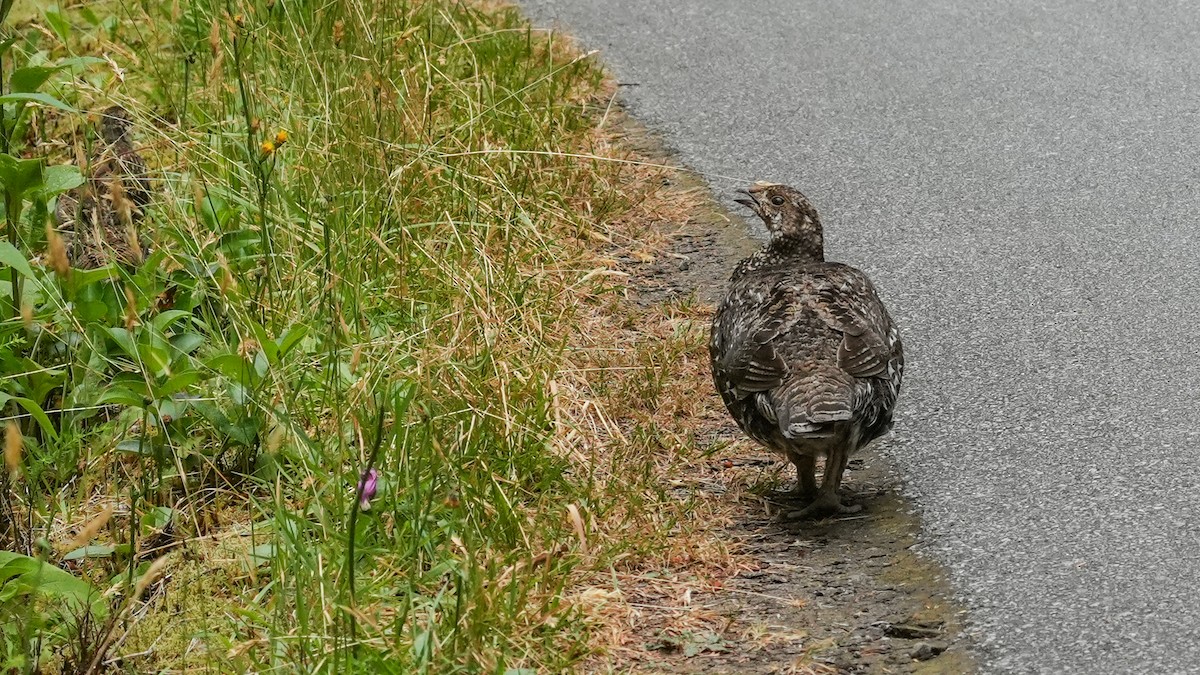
(806, 480)
(827, 501)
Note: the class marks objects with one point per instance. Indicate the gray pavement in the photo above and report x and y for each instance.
(1021, 180)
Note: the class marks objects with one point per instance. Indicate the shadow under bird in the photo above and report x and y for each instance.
(804, 354)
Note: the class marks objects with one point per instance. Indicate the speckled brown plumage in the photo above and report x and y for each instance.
(803, 351)
(99, 219)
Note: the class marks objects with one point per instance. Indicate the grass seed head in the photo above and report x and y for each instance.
(248, 348)
(134, 242)
(225, 280)
(120, 201)
(131, 313)
(56, 251)
(275, 438)
(13, 442)
(152, 574)
(216, 70)
(92, 528)
(214, 38)
(577, 524)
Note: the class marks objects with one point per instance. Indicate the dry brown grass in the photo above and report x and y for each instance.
(636, 403)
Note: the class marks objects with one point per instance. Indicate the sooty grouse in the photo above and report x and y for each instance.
(99, 220)
(804, 353)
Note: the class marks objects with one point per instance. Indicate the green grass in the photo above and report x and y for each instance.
(388, 287)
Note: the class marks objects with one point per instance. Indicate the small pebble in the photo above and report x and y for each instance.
(923, 651)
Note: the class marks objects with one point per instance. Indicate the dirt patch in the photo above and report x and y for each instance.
(844, 595)
(699, 254)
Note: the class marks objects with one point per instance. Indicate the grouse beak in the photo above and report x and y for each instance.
(750, 201)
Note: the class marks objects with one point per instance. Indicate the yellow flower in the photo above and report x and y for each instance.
(281, 138)
(268, 147)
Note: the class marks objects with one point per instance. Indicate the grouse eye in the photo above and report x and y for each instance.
(777, 200)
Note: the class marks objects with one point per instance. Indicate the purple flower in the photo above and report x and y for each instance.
(367, 485)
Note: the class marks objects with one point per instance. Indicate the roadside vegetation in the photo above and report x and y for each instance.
(372, 400)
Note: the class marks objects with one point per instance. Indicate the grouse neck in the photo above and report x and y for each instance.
(796, 247)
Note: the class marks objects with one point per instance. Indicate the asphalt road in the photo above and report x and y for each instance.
(1020, 179)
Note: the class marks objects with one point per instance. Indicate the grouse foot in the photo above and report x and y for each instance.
(796, 494)
(826, 504)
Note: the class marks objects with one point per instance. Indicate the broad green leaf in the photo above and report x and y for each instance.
(44, 579)
(125, 341)
(158, 517)
(19, 176)
(421, 646)
(110, 24)
(83, 278)
(262, 554)
(8, 591)
(260, 360)
(35, 411)
(30, 79)
(268, 346)
(78, 63)
(59, 24)
(291, 337)
(237, 394)
(90, 552)
(243, 431)
(135, 446)
(229, 365)
(11, 257)
(155, 352)
(168, 409)
(187, 343)
(164, 320)
(58, 179)
(178, 382)
(44, 99)
(211, 413)
(121, 396)
(92, 310)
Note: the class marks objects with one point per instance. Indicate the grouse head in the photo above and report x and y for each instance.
(790, 218)
(115, 123)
